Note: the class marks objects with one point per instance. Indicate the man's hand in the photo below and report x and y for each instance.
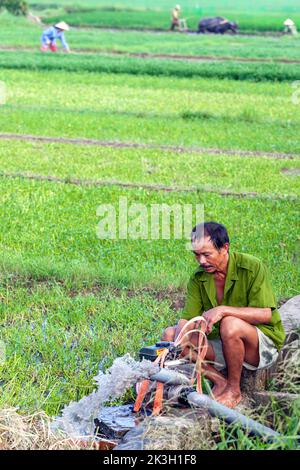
(212, 316)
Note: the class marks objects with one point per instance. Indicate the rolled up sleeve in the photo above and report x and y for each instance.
(260, 294)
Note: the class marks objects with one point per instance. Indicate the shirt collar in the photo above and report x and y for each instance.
(208, 279)
(232, 273)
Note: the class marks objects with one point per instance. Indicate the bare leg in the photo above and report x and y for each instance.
(213, 374)
(208, 370)
(240, 343)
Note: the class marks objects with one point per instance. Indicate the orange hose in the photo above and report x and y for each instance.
(158, 399)
(144, 386)
(143, 389)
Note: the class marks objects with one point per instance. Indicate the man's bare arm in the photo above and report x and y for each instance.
(251, 315)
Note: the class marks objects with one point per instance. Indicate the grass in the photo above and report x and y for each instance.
(156, 20)
(60, 240)
(154, 67)
(30, 432)
(71, 301)
(261, 16)
(256, 5)
(240, 115)
(155, 167)
(126, 127)
(54, 341)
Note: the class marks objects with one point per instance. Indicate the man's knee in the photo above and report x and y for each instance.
(230, 328)
(169, 333)
(181, 324)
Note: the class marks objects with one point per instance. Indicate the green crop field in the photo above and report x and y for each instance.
(121, 118)
(125, 19)
(240, 115)
(153, 67)
(260, 16)
(14, 30)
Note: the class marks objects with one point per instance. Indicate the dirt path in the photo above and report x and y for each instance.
(148, 55)
(136, 145)
(147, 186)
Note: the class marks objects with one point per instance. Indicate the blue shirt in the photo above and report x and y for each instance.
(51, 34)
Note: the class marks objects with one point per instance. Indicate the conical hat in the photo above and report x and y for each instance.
(62, 25)
(289, 22)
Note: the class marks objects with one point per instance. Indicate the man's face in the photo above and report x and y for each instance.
(208, 256)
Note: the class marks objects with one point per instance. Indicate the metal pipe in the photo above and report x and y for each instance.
(170, 377)
(187, 395)
(231, 416)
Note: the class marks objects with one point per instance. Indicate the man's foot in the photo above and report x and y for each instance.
(219, 388)
(230, 397)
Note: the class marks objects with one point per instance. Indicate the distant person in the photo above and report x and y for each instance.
(175, 20)
(290, 27)
(50, 35)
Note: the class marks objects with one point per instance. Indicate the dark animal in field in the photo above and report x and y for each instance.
(217, 25)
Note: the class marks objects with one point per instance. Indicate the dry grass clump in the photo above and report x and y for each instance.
(30, 432)
(287, 377)
(184, 433)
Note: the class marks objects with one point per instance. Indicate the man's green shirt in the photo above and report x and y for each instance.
(247, 285)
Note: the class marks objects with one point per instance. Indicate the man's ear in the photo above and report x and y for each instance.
(226, 247)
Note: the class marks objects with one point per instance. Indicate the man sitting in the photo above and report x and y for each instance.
(233, 293)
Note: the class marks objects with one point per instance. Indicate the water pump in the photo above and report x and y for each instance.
(151, 353)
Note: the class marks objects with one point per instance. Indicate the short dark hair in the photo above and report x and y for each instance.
(216, 232)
